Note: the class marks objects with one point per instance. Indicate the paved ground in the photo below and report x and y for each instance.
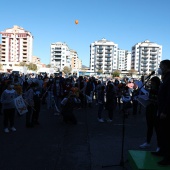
(53, 145)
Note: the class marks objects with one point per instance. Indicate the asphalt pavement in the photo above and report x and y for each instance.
(89, 145)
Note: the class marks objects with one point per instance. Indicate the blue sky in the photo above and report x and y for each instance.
(125, 22)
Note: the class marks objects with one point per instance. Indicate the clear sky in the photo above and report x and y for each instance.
(125, 22)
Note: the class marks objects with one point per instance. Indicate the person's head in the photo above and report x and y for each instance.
(116, 82)
(10, 85)
(164, 67)
(155, 82)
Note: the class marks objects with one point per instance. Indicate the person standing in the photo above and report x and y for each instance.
(8, 106)
(110, 101)
(101, 95)
(163, 112)
(29, 100)
(151, 113)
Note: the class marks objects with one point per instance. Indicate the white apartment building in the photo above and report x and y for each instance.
(146, 57)
(16, 46)
(76, 63)
(121, 59)
(60, 56)
(103, 56)
(127, 60)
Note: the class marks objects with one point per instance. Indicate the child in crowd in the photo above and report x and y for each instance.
(8, 106)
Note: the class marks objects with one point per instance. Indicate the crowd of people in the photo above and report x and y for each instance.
(64, 95)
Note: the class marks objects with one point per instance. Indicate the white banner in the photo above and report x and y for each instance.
(20, 105)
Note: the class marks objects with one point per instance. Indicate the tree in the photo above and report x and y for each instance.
(131, 72)
(116, 73)
(48, 65)
(22, 63)
(100, 71)
(66, 70)
(32, 66)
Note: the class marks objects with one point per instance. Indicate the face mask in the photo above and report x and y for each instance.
(11, 86)
(159, 71)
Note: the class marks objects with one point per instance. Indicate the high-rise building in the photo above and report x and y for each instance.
(16, 46)
(121, 59)
(103, 56)
(127, 60)
(60, 55)
(146, 57)
(0, 52)
(75, 61)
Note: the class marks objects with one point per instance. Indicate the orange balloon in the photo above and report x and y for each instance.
(76, 21)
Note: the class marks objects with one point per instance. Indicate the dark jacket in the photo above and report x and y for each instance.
(164, 96)
(110, 99)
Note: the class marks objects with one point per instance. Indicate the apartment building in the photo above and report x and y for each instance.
(76, 63)
(103, 56)
(146, 57)
(121, 59)
(0, 52)
(17, 45)
(127, 60)
(62, 55)
(36, 60)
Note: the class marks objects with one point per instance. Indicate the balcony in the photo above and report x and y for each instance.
(57, 56)
(100, 60)
(145, 54)
(107, 56)
(108, 61)
(144, 69)
(144, 58)
(144, 66)
(153, 58)
(153, 62)
(107, 68)
(153, 53)
(144, 61)
(99, 67)
(99, 64)
(100, 48)
(108, 52)
(153, 50)
(107, 64)
(100, 52)
(100, 56)
(145, 49)
(108, 48)
(152, 69)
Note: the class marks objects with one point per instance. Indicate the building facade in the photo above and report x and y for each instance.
(59, 55)
(146, 57)
(103, 56)
(62, 55)
(17, 45)
(127, 60)
(121, 59)
(76, 63)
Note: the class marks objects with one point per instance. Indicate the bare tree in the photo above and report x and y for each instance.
(66, 70)
(132, 72)
(116, 73)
